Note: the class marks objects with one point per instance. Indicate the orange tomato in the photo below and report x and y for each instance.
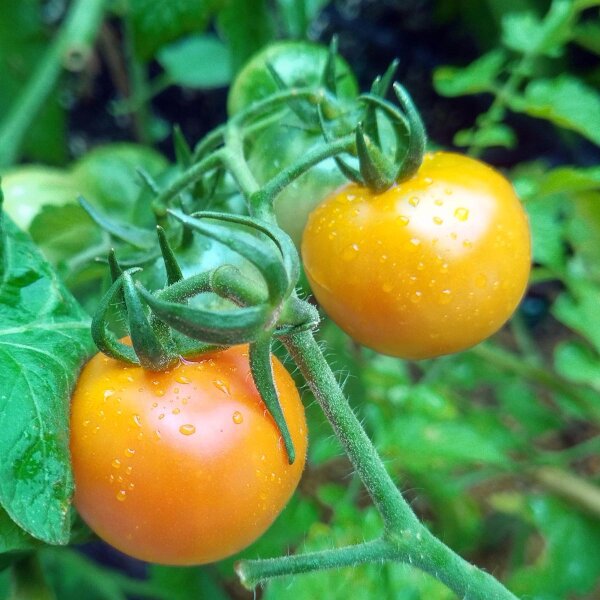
(431, 266)
(184, 466)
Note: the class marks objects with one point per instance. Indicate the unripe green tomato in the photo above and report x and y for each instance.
(279, 147)
(299, 64)
(26, 189)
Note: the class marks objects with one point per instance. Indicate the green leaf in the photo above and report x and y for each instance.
(44, 339)
(569, 563)
(577, 308)
(247, 26)
(583, 232)
(565, 101)
(199, 61)
(569, 179)
(157, 22)
(577, 362)
(546, 220)
(12, 537)
(480, 76)
(526, 33)
(177, 583)
(497, 134)
(297, 15)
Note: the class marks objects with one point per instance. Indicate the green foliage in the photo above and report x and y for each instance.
(44, 338)
(511, 75)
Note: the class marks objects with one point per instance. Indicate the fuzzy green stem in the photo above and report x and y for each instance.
(190, 176)
(262, 201)
(255, 572)
(69, 49)
(307, 355)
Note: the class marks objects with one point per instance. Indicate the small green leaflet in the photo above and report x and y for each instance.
(44, 339)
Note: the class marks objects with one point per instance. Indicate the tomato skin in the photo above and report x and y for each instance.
(184, 466)
(432, 266)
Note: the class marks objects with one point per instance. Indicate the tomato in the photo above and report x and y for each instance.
(184, 466)
(27, 189)
(297, 63)
(431, 266)
(279, 147)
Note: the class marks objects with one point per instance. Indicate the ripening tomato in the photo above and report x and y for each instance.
(184, 466)
(431, 266)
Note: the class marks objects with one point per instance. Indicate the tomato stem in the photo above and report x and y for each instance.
(405, 539)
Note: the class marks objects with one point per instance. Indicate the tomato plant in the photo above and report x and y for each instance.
(431, 266)
(183, 466)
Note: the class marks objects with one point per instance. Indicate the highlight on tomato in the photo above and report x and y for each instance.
(433, 265)
(184, 466)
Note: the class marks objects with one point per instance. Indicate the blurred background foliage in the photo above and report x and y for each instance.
(498, 448)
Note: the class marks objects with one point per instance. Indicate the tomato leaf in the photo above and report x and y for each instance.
(12, 537)
(198, 61)
(44, 338)
(478, 77)
(566, 101)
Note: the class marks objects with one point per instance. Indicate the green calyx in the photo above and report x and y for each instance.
(164, 325)
(373, 147)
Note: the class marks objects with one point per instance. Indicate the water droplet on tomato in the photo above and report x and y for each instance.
(237, 417)
(414, 201)
(116, 463)
(416, 297)
(467, 243)
(129, 452)
(176, 411)
(461, 213)
(438, 202)
(182, 379)
(121, 495)
(137, 420)
(187, 429)
(221, 386)
(415, 242)
(128, 470)
(108, 393)
(350, 252)
(445, 297)
(159, 393)
(438, 220)
(404, 221)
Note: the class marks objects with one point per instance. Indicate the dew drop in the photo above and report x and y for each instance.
(237, 417)
(128, 470)
(131, 486)
(350, 252)
(439, 202)
(413, 201)
(154, 404)
(176, 411)
(467, 243)
(187, 429)
(415, 242)
(420, 266)
(121, 495)
(221, 386)
(161, 416)
(86, 422)
(129, 452)
(403, 220)
(428, 180)
(116, 463)
(445, 297)
(438, 220)
(160, 393)
(416, 297)
(461, 213)
(137, 420)
(108, 393)
(182, 379)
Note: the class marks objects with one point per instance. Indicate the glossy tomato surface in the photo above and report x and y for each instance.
(185, 466)
(432, 266)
